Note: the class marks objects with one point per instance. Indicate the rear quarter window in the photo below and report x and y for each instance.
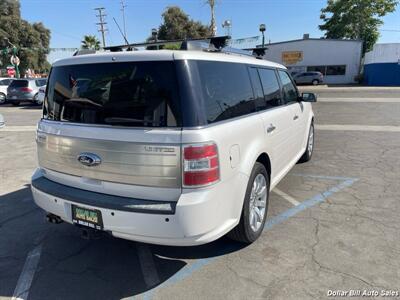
(226, 90)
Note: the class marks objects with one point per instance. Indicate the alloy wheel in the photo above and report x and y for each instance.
(258, 202)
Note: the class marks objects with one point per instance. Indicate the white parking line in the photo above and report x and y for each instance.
(21, 291)
(149, 271)
(17, 128)
(337, 127)
(360, 100)
(286, 196)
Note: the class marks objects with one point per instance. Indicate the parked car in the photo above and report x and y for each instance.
(313, 78)
(168, 147)
(42, 93)
(4, 83)
(24, 90)
(1, 121)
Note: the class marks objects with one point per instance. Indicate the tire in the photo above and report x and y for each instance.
(35, 100)
(2, 98)
(315, 82)
(310, 145)
(15, 103)
(247, 231)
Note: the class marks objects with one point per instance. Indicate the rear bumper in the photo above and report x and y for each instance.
(20, 97)
(198, 217)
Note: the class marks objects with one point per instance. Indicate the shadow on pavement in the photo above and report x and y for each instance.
(71, 267)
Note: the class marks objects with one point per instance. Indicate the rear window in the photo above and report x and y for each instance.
(19, 83)
(139, 94)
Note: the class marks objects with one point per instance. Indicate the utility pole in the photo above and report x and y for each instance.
(102, 23)
(123, 6)
(213, 24)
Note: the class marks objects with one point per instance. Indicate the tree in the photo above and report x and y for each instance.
(355, 19)
(32, 40)
(177, 25)
(213, 25)
(90, 42)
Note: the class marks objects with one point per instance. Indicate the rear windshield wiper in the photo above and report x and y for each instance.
(129, 120)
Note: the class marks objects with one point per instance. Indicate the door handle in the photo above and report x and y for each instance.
(295, 117)
(271, 128)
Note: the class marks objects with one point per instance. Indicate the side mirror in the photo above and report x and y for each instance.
(308, 97)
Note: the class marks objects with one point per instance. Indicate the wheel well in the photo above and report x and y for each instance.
(264, 159)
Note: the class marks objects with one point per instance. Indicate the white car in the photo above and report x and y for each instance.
(168, 147)
(4, 83)
(41, 94)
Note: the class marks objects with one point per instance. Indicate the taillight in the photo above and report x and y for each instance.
(200, 165)
(26, 89)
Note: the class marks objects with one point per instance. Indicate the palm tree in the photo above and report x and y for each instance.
(90, 42)
(213, 25)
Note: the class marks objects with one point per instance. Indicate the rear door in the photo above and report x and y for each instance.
(126, 114)
(275, 117)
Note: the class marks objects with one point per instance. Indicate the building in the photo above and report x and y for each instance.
(382, 65)
(338, 60)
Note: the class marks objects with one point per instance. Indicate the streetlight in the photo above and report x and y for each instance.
(154, 34)
(228, 26)
(14, 57)
(262, 29)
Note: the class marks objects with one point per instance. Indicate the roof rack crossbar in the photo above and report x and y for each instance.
(258, 52)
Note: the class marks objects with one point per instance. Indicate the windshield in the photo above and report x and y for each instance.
(124, 94)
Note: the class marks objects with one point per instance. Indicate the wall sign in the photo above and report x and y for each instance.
(292, 57)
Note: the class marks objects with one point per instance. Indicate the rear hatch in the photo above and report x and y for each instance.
(126, 114)
(19, 88)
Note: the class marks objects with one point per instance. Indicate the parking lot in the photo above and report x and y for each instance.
(332, 223)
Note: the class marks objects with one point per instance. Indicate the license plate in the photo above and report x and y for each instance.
(14, 97)
(87, 217)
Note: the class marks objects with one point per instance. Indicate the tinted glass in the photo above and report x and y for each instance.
(272, 93)
(19, 83)
(321, 69)
(40, 82)
(257, 88)
(336, 70)
(226, 90)
(123, 94)
(5, 81)
(289, 90)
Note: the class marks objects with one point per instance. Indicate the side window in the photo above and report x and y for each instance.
(289, 90)
(270, 84)
(226, 90)
(258, 91)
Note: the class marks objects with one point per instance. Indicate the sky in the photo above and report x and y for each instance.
(69, 20)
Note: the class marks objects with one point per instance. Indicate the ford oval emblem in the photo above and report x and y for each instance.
(89, 159)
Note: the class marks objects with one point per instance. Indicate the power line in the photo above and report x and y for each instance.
(102, 23)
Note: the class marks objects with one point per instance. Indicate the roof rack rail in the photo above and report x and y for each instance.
(211, 44)
(218, 43)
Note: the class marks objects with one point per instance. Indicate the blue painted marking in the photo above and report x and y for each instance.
(198, 264)
(308, 203)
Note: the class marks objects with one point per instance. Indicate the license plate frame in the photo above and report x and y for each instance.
(87, 217)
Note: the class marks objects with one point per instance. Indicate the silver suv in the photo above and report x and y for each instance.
(168, 147)
(313, 78)
(24, 90)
